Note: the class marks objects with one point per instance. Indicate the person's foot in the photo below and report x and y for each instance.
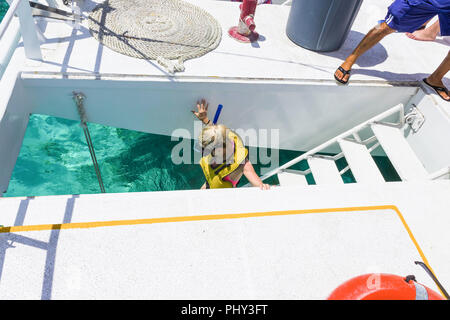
(427, 34)
(343, 76)
(439, 87)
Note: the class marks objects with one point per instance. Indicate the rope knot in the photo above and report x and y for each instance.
(171, 66)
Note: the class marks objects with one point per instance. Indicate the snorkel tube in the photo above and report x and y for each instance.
(216, 116)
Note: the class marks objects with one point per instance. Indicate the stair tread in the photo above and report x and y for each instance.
(324, 171)
(399, 152)
(360, 161)
(290, 178)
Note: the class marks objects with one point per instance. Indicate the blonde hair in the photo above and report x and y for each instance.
(213, 135)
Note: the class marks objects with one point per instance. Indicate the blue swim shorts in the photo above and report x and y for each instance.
(409, 15)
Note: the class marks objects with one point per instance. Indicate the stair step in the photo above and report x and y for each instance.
(360, 162)
(399, 152)
(324, 171)
(292, 178)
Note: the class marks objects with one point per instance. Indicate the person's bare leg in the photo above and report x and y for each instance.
(428, 34)
(372, 38)
(436, 77)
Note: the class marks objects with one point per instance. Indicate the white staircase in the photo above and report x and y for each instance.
(357, 153)
(399, 152)
(292, 178)
(360, 162)
(324, 171)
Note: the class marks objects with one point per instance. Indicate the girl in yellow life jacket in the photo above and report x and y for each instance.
(224, 156)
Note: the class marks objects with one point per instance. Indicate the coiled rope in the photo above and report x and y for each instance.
(168, 31)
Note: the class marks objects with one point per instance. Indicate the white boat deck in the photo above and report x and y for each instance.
(119, 250)
(396, 58)
(226, 244)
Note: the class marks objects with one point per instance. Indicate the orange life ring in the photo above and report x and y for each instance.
(382, 286)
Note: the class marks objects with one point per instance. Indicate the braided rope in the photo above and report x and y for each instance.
(161, 30)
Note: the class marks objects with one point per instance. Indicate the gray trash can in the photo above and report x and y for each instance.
(321, 25)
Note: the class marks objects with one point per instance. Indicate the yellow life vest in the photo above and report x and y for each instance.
(214, 177)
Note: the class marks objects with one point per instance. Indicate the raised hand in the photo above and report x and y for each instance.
(202, 111)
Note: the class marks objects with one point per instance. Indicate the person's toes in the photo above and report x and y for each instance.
(346, 77)
(338, 74)
(411, 36)
(341, 75)
(444, 95)
(421, 35)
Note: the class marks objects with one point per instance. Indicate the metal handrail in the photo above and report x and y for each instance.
(8, 17)
(27, 28)
(398, 108)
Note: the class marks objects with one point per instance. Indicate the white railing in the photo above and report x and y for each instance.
(31, 44)
(440, 173)
(352, 132)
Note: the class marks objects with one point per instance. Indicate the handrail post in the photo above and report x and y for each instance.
(76, 11)
(28, 30)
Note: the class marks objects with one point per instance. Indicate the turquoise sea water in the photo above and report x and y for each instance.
(54, 159)
(3, 8)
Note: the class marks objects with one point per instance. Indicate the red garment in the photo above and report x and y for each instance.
(259, 1)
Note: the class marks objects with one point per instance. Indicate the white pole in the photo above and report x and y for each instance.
(8, 45)
(28, 30)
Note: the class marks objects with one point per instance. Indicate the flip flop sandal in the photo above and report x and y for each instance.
(437, 89)
(344, 73)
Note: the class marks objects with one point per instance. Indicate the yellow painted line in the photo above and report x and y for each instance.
(80, 225)
(77, 225)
